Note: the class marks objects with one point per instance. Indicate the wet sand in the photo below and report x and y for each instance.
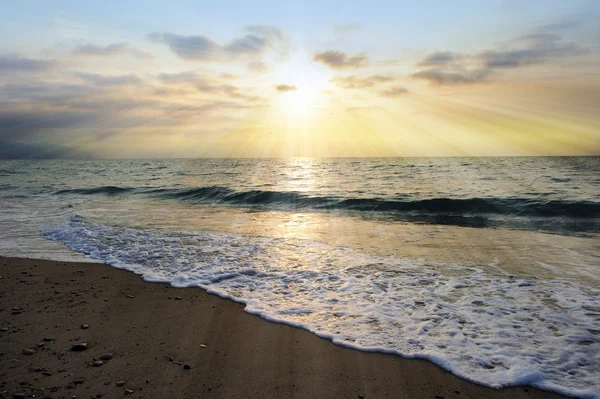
(184, 343)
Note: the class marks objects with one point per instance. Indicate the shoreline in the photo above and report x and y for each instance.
(153, 331)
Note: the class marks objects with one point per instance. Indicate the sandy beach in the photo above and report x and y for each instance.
(157, 342)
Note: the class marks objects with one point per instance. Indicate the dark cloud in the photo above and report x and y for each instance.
(259, 39)
(93, 49)
(189, 47)
(113, 49)
(249, 44)
(27, 122)
(108, 116)
(98, 106)
(360, 82)
(21, 64)
(439, 58)
(393, 92)
(530, 49)
(538, 48)
(40, 90)
(442, 77)
(115, 80)
(340, 60)
(16, 150)
(285, 88)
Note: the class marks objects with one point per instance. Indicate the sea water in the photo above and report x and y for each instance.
(489, 267)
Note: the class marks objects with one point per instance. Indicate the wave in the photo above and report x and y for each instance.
(487, 327)
(107, 190)
(447, 206)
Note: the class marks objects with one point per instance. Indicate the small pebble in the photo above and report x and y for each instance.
(84, 326)
(79, 347)
(130, 296)
(187, 367)
(28, 352)
(105, 356)
(98, 363)
(128, 391)
(120, 383)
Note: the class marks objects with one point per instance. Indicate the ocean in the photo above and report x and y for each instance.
(489, 267)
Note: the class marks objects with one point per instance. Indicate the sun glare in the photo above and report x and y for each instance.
(305, 87)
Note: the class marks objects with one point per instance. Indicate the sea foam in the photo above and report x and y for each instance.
(480, 323)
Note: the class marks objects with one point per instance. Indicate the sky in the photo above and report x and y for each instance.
(180, 79)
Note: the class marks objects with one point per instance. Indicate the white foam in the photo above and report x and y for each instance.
(485, 326)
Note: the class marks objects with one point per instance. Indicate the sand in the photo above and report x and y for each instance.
(155, 333)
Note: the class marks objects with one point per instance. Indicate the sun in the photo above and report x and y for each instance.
(300, 87)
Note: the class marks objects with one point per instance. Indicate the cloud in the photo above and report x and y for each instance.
(108, 113)
(559, 26)
(368, 82)
(93, 107)
(340, 60)
(257, 41)
(439, 58)
(115, 80)
(33, 91)
(188, 47)
(441, 77)
(270, 32)
(249, 44)
(205, 84)
(93, 49)
(360, 82)
(113, 49)
(16, 150)
(450, 68)
(393, 92)
(178, 77)
(258, 66)
(530, 49)
(13, 63)
(285, 88)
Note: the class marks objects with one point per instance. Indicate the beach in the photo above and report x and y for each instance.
(300, 199)
(154, 332)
